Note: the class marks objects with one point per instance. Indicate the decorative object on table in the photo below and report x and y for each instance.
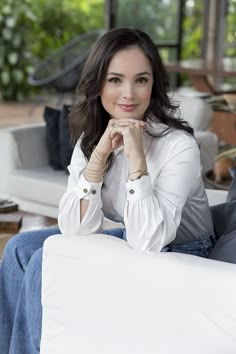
(218, 103)
(230, 98)
(7, 205)
(10, 222)
(220, 177)
(221, 168)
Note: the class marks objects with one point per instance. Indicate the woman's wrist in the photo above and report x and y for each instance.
(102, 156)
(96, 167)
(133, 176)
(137, 168)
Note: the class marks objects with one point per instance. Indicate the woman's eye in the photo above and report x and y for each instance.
(142, 80)
(114, 80)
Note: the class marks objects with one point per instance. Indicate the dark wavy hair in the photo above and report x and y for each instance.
(88, 117)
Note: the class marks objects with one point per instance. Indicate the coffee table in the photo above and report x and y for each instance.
(30, 222)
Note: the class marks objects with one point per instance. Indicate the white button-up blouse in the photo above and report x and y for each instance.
(168, 206)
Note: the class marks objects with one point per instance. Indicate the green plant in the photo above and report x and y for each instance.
(192, 29)
(30, 30)
(60, 21)
(16, 21)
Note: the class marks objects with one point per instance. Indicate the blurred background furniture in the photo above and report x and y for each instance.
(223, 124)
(127, 301)
(61, 70)
(29, 180)
(27, 177)
(199, 71)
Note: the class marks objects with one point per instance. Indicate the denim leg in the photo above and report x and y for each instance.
(27, 327)
(16, 256)
(200, 248)
(116, 232)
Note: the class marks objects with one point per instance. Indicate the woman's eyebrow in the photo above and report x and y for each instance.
(116, 74)
(143, 73)
(121, 75)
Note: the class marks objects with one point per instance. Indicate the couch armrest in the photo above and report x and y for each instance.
(22, 147)
(101, 296)
(26, 145)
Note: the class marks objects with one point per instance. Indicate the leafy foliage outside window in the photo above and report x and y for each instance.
(16, 22)
(59, 21)
(192, 29)
(30, 30)
(231, 30)
(157, 18)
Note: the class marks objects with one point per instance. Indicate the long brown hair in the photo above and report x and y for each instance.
(88, 117)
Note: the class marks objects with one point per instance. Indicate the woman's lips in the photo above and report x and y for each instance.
(127, 107)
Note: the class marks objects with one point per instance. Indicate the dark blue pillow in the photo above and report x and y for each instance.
(51, 117)
(66, 148)
(57, 137)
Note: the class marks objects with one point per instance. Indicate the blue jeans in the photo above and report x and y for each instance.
(20, 292)
(20, 289)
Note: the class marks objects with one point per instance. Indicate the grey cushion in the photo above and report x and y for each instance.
(224, 219)
(225, 248)
(232, 190)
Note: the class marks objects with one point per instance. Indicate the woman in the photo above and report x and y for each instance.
(134, 162)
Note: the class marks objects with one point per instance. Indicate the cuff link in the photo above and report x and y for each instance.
(85, 190)
(94, 191)
(132, 191)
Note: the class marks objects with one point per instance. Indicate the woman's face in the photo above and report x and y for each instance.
(127, 88)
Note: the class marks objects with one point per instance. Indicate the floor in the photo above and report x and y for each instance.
(12, 114)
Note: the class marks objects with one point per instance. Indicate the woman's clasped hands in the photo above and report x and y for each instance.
(127, 132)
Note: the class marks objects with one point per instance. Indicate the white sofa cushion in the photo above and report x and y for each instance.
(194, 110)
(41, 184)
(100, 296)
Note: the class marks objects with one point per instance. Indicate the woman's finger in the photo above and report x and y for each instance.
(116, 131)
(126, 122)
(121, 130)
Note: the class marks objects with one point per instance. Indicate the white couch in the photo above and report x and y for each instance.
(27, 178)
(99, 296)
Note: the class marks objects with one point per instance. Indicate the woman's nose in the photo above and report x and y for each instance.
(128, 92)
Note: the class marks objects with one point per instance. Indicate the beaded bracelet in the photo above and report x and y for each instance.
(143, 173)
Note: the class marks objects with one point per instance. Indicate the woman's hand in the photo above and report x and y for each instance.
(130, 133)
(122, 131)
(127, 132)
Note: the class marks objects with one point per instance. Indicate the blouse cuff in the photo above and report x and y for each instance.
(88, 190)
(138, 189)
